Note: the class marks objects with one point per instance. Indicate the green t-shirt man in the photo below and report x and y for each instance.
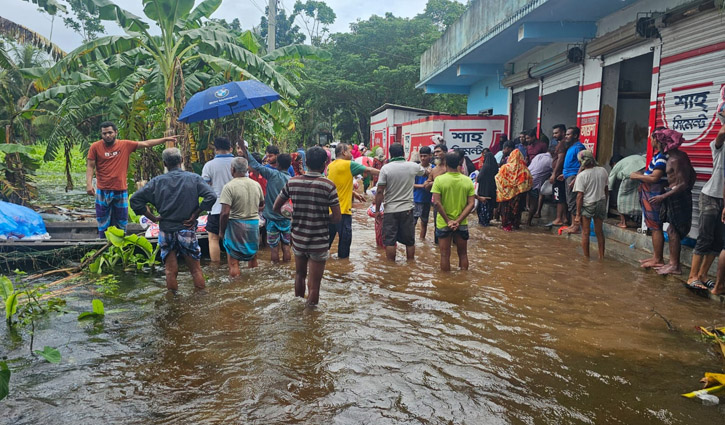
(454, 190)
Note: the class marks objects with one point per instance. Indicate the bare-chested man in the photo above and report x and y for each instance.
(677, 199)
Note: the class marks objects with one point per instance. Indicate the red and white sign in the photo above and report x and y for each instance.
(588, 124)
(689, 110)
(471, 134)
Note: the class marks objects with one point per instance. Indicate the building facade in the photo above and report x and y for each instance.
(616, 69)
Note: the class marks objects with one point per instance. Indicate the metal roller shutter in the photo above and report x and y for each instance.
(562, 80)
(690, 79)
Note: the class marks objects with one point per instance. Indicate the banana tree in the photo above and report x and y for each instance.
(183, 44)
(15, 181)
(110, 87)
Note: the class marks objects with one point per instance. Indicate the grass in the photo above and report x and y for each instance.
(50, 178)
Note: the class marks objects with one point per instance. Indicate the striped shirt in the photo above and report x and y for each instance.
(312, 195)
(659, 162)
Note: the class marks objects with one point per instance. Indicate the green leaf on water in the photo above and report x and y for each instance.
(4, 380)
(11, 304)
(86, 315)
(6, 287)
(98, 307)
(116, 236)
(50, 354)
(98, 311)
(95, 266)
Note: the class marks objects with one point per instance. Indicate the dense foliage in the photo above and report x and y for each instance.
(142, 81)
(377, 62)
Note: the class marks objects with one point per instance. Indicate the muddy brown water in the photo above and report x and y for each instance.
(532, 334)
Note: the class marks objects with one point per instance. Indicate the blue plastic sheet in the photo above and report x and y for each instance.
(17, 221)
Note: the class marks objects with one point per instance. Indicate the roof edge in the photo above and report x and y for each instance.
(386, 106)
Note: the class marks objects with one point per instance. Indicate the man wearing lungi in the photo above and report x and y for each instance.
(241, 200)
(108, 158)
(677, 199)
(652, 184)
(176, 198)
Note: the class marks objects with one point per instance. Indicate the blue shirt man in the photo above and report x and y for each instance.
(522, 148)
(278, 226)
(571, 163)
(570, 170)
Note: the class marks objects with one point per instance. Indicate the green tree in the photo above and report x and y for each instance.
(178, 57)
(444, 12)
(15, 90)
(82, 21)
(234, 26)
(317, 17)
(139, 82)
(377, 62)
(287, 32)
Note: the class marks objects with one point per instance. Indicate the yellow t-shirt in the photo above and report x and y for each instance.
(341, 172)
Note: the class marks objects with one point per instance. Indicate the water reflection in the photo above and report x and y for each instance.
(532, 334)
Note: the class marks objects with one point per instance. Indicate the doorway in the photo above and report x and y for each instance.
(524, 111)
(625, 104)
(559, 107)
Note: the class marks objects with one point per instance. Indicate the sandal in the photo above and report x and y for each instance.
(709, 284)
(698, 287)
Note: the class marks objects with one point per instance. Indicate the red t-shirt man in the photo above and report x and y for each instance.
(108, 158)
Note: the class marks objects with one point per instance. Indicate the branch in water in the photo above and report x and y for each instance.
(656, 313)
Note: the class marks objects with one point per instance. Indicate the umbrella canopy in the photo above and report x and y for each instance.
(227, 99)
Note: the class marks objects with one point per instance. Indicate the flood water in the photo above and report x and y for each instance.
(531, 334)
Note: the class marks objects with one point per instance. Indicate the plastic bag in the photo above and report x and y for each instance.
(371, 210)
(547, 189)
(19, 222)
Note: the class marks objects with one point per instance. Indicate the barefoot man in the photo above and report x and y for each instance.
(591, 199)
(176, 198)
(315, 206)
(652, 183)
(439, 155)
(241, 200)
(570, 169)
(395, 187)
(108, 158)
(217, 173)
(557, 178)
(421, 196)
(454, 198)
(677, 199)
(278, 226)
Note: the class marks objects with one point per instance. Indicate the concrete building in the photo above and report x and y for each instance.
(617, 69)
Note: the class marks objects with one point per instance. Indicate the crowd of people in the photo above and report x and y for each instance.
(299, 203)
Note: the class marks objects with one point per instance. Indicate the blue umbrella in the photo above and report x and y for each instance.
(227, 99)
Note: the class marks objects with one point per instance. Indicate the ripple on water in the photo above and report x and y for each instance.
(531, 334)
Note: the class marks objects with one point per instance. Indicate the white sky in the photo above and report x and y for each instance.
(249, 13)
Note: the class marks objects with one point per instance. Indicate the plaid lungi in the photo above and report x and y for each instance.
(183, 241)
(648, 191)
(677, 210)
(628, 198)
(241, 239)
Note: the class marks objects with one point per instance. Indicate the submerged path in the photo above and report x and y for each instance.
(531, 334)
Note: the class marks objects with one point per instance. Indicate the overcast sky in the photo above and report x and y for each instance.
(248, 11)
